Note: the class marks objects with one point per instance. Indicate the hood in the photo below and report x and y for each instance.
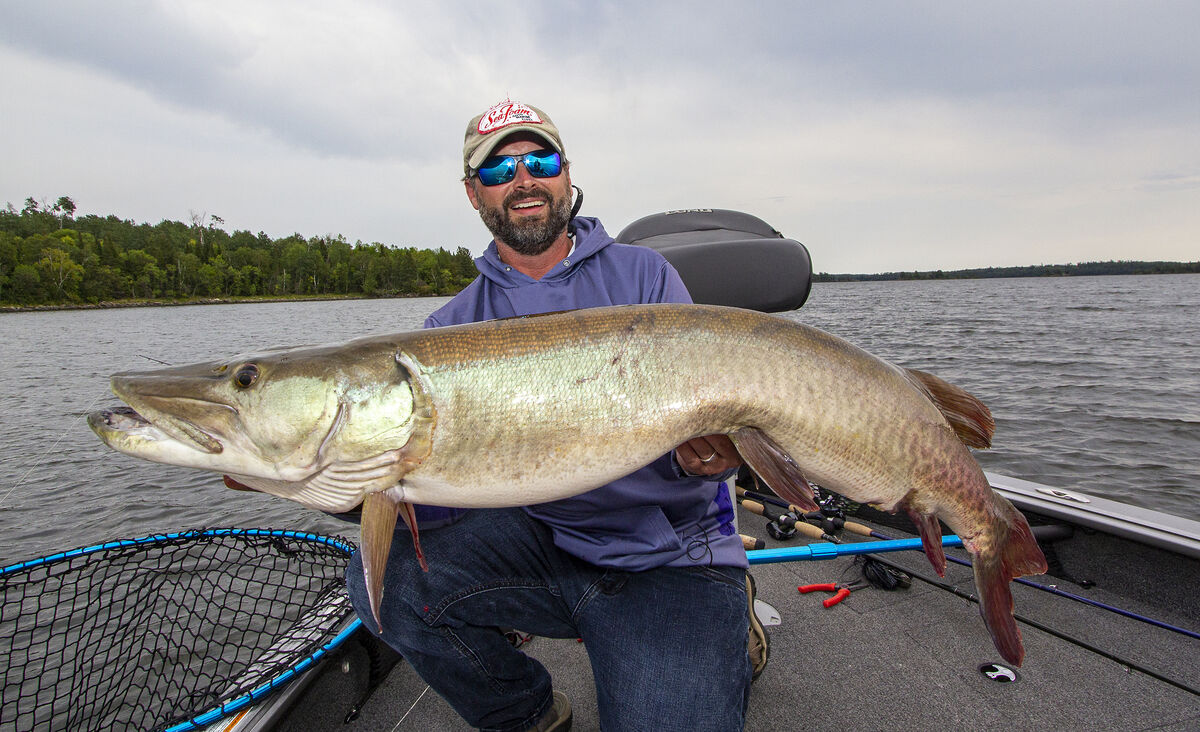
(590, 237)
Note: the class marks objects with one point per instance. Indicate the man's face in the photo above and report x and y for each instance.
(527, 213)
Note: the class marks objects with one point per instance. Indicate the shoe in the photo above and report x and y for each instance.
(760, 643)
(557, 717)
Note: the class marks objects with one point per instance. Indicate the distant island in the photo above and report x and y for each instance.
(1083, 269)
(52, 259)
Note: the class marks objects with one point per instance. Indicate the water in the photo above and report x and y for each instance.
(1092, 380)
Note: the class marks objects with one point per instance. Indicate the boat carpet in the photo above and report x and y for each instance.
(909, 659)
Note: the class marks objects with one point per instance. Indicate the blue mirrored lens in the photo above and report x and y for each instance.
(543, 163)
(495, 171)
(501, 169)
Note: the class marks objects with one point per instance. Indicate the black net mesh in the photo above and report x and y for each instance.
(148, 633)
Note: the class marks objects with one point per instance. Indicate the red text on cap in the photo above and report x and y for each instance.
(506, 114)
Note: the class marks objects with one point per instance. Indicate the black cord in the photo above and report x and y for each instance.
(578, 201)
(882, 576)
(698, 547)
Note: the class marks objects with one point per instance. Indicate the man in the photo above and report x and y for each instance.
(647, 570)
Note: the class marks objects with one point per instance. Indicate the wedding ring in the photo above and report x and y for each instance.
(709, 458)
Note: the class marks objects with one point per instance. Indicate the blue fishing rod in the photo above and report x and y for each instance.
(829, 550)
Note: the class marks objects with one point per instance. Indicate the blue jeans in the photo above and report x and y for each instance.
(667, 646)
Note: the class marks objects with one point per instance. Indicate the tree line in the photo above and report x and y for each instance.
(1083, 269)
(48, 256)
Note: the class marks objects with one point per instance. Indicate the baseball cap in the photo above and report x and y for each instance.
(488, 129)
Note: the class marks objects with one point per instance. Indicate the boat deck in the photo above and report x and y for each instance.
(909, 658)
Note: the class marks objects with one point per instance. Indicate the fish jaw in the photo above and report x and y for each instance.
(128, 431)
(197, 431)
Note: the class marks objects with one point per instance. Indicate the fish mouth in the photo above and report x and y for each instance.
(127, 421)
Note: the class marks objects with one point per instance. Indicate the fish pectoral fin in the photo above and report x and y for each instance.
(379, 511)
(773, 464)
(970, 418)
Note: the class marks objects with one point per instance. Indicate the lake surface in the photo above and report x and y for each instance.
(1094, 383)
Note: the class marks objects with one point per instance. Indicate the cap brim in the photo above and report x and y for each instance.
(484, 151)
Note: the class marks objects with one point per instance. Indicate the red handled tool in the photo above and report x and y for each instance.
(841, 592)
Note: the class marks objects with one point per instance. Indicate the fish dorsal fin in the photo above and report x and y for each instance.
(970, 418)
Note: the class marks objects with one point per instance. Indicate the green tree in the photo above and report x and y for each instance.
(62, 274)
(105, 283)
(64, 207)
(9, 259)
(25, 286)
(250, 280)
(209, 280)
(187, 273)
(146, 279)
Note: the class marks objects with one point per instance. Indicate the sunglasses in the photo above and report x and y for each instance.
(500, 169)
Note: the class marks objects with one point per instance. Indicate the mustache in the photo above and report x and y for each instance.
(515, 196)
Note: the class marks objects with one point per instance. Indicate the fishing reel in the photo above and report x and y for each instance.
(832, 505)
(783, 527)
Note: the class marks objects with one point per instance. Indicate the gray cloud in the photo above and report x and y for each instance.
(881, 133)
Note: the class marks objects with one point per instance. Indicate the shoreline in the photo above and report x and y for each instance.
(162, 302)
(821, 278)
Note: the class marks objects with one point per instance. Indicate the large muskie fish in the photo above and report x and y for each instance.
(521, 411)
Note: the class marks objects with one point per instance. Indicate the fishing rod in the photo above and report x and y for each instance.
(832, 547)
(1047, 629)
(758, 499)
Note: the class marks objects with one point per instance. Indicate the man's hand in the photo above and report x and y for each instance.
(708, 455)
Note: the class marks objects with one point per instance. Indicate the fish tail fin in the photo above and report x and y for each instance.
(1019, 555)
(931, 538)
(970, 418)
(772, 463)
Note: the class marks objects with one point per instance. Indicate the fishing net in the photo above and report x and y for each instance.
(167, 631)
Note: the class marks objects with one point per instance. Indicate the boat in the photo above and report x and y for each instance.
(1110, 630)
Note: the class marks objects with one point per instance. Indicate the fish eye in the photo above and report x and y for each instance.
(245, 376)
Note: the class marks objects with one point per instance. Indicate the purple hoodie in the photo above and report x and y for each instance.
(656, 516)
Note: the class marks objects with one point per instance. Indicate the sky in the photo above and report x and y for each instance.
(885, 136)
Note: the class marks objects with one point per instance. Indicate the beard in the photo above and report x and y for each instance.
(530, 236)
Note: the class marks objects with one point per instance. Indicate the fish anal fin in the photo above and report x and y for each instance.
(970, 418)
(379, 511)
(931, 538)
(772, 463)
